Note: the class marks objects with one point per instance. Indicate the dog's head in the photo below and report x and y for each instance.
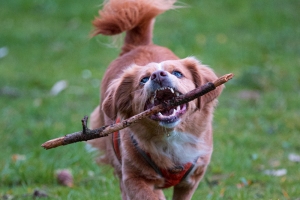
(142, 87)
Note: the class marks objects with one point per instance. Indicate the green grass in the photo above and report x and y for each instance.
(48, 41)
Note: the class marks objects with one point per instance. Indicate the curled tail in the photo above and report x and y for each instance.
(136, 17)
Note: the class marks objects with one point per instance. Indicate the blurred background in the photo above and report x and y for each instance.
(50, 71)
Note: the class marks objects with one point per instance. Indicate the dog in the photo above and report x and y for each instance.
(169, 149)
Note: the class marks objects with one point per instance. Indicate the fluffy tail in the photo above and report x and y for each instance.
(136, 17)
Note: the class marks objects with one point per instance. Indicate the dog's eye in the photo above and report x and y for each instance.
(145, 79)
(177, 74)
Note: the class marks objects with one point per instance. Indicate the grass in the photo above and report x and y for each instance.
(256, 123)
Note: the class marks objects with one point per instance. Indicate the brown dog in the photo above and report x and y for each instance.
(171, 148)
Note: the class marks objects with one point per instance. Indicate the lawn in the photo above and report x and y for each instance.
(256, 124)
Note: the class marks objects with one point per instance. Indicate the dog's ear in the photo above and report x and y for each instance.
(118, 98)
(201, 75)
(108, 105)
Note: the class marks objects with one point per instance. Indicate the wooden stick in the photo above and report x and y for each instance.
(88, 134)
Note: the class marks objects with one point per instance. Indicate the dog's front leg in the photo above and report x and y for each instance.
(184, 192)
(137, 189)
(160, 194)
(123, 191)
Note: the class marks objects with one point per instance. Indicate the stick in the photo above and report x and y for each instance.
(88, 134)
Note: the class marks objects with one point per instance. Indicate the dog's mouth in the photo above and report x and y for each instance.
(168, 116)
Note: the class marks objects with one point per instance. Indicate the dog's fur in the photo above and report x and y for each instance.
(125, 93)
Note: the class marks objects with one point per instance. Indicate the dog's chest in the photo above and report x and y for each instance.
(179, 147)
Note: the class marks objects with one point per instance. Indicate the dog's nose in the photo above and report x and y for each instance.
(160, 79)
(158, 75)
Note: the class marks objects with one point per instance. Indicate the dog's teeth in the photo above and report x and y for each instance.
(152, 100)
(178, 108)
(177, 94)
(174, 112)
(172, 90)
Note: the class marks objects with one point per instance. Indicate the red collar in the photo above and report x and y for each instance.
(172, 176)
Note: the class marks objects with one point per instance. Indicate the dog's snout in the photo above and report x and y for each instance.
(160, 79)
(158, 75)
